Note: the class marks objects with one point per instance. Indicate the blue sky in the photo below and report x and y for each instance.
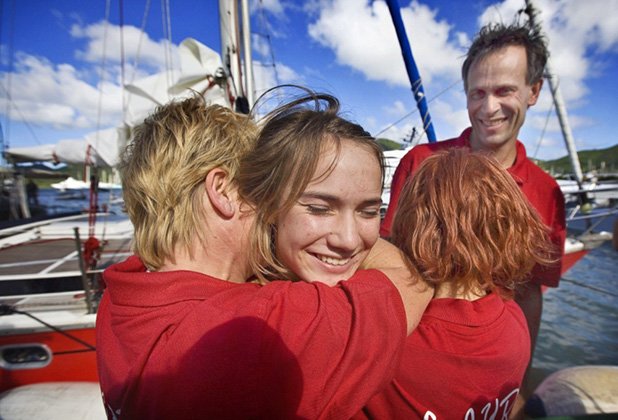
(52, 54)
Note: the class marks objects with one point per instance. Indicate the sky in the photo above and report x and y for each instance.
(62, 66)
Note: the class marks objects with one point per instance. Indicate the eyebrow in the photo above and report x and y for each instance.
(334, 199)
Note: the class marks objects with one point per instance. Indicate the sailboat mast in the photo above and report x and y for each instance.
(248, 67)
(412, 70)
(552, 78)
(236, 55)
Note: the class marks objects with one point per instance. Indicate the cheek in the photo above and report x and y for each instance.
(370, 232)
(472, 108)
(297, 230)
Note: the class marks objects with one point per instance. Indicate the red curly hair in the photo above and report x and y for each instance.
(462, 219)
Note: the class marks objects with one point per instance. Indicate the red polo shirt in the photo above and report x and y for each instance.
(465, 360)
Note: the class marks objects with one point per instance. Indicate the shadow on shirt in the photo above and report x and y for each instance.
(239, 370)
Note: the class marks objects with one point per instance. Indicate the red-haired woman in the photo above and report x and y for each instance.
(468, 230)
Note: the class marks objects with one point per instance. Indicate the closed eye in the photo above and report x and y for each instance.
(370, 213)
(315, 209)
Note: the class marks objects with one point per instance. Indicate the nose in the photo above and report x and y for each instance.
(345, 234)
(490, 105)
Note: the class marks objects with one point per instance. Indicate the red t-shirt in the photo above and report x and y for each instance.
(541, 190)
(183, 345)
(465, 360)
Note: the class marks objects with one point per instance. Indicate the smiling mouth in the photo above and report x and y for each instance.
(337, 262)
(493, 123)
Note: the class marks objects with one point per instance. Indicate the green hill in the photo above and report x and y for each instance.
(601, 160)
(388, 144)
(604, 161)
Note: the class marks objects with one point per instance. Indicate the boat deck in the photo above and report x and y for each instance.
(43, 257)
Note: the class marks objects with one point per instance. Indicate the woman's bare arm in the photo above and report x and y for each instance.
(414, 291)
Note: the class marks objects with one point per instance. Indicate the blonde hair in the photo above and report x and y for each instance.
(272, 178)
(462, 219)
(164, 167)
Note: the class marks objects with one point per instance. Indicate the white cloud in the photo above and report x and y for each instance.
(369, 42)
(574, 31)
(64, 96)
(398, 109)
(275, 7)
(56, 96)
(578, 34)
(103, 41)
(266, 76)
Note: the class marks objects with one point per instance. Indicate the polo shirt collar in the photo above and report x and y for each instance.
(519, 170)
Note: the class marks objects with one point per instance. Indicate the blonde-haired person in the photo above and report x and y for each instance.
(468, 230)
(163, 171)
(181, 333)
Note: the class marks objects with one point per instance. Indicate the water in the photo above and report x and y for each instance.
(580, 318)
(57, 202)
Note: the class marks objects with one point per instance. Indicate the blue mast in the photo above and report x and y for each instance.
(413, 74)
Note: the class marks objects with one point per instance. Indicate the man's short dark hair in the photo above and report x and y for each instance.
(495, 36)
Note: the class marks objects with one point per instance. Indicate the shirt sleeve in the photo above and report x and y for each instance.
(556, 220)
(347, 344)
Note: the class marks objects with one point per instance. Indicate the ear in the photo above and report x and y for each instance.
(535, 92)
(217, 186)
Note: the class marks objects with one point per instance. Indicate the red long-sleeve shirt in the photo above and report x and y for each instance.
(183, 345)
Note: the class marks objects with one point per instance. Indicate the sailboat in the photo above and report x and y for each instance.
(51, 277)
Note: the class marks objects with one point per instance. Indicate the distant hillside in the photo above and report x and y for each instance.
(601, 160)
(388, 144)
(604, 161)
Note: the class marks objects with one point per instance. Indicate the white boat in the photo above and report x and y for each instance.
(72, 184)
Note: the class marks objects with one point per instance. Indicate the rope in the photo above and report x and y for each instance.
(9, 310)
(587, 286)
(139, 49)
(5, 140)
(267, 35)
(416, 109)
(102, 73)
(167, 33)
(538, 144)
(121, 19)
(141, 38)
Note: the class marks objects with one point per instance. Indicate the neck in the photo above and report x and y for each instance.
(449, 290)
(218, 262)
(505, 154)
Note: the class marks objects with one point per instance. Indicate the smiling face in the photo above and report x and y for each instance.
(498, 98)
(330, 229)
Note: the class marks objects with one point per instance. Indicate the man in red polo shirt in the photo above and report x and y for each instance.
(503, 76)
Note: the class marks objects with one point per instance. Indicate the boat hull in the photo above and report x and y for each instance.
(70, 360)
(570, 259)
(47, 337)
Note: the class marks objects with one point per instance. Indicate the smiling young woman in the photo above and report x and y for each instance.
(315, 181)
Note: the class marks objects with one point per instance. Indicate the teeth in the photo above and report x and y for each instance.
(333, 261)
(493, 122)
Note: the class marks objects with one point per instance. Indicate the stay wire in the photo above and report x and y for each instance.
(442, 92)
(587, 286)
(7, 310)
